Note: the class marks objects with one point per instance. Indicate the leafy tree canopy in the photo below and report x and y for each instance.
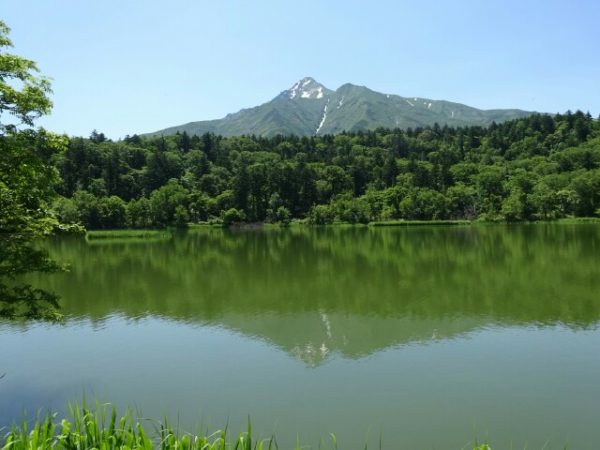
(536, 168)
(27, 182)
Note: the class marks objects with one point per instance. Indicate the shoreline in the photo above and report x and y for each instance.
(161, 233)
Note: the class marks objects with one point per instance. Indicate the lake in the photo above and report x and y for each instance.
(425, 337)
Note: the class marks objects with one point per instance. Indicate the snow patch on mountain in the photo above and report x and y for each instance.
(323, 118)
(306, 88)
(316, 92)
(293, 91)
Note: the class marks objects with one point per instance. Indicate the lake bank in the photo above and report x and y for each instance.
(132, 233)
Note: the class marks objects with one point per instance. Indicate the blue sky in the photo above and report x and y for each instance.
(125, 67)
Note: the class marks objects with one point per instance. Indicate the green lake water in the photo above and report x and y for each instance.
(425, 337)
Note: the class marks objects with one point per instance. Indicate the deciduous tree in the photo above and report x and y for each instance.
(27, 180)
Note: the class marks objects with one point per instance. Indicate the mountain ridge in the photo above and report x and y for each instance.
(309, 108)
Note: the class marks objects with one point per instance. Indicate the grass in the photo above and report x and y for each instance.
(202, 225)
(576, 220)
(127, 234)
(103, 429)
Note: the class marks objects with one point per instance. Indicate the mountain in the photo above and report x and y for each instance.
(309, 108)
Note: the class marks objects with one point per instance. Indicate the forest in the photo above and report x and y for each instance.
(538, 168)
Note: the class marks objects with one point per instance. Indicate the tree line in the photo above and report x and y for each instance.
(536, 168)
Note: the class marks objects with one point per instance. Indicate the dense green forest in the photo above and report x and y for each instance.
(537, 168)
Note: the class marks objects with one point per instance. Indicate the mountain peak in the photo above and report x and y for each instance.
(307, 87)
(308, 108)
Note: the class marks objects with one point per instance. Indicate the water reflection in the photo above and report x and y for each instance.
(318, 292)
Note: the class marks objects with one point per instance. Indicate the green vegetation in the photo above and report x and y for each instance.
(412, 223)
(577, 220)
(127, 234)
(531, 169)
(27, 182)
(101, 428)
